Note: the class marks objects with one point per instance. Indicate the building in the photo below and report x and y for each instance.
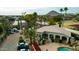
(55, 32)
(20, 24)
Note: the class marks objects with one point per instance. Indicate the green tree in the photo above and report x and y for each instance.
(1, 29)
(40, 19)
(6, 24)
(59, 20)
(51, 22)
(44, 19)
(30, 30)
(77, 17)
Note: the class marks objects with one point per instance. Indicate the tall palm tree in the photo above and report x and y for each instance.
(65, 9)
(34, 19)
(61, 10)
(30, 30)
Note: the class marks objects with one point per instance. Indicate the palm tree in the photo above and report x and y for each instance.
(41, 20)
(61, 10)
(30, 30)
(34, 19)
(44, 19)
(65, 9)
(29, 33)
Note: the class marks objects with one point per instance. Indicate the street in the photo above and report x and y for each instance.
(10, 44)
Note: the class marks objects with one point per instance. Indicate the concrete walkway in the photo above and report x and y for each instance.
(10, 44)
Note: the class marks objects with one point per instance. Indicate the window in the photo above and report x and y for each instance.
(64, 38)
(57, 36)
(45, 35)
(51, 36)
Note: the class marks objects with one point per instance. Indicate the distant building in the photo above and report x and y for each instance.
(20, 23)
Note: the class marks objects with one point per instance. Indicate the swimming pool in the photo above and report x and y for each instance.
(64, 49)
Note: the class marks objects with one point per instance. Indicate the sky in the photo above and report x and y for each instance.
(28, 10)
(17, 7)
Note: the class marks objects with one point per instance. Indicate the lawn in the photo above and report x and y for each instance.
(70, 22)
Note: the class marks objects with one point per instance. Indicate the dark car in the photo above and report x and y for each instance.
(23, 47)
(9, 31)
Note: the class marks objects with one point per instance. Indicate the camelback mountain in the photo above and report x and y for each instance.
(53, 13)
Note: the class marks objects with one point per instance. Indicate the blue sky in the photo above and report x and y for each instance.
(46, 10)
(39, 10)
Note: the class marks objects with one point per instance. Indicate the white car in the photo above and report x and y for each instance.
(15, 30)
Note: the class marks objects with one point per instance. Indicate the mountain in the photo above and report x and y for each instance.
(53, 13)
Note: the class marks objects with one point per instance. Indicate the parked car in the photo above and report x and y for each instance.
(9, 31)
(23, 46)
(15, 30)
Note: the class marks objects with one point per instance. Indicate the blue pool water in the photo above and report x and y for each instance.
(64, 49)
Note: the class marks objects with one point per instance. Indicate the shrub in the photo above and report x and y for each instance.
(1, 29)
(51, 22)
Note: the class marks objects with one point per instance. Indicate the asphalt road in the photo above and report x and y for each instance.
(10, 44)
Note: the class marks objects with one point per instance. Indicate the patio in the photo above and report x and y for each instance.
(52, 46)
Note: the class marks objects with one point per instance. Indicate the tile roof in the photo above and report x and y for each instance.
(55, 29)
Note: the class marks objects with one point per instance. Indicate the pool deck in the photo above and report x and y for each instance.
(52, 46)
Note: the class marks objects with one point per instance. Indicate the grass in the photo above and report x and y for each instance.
(70, 22)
